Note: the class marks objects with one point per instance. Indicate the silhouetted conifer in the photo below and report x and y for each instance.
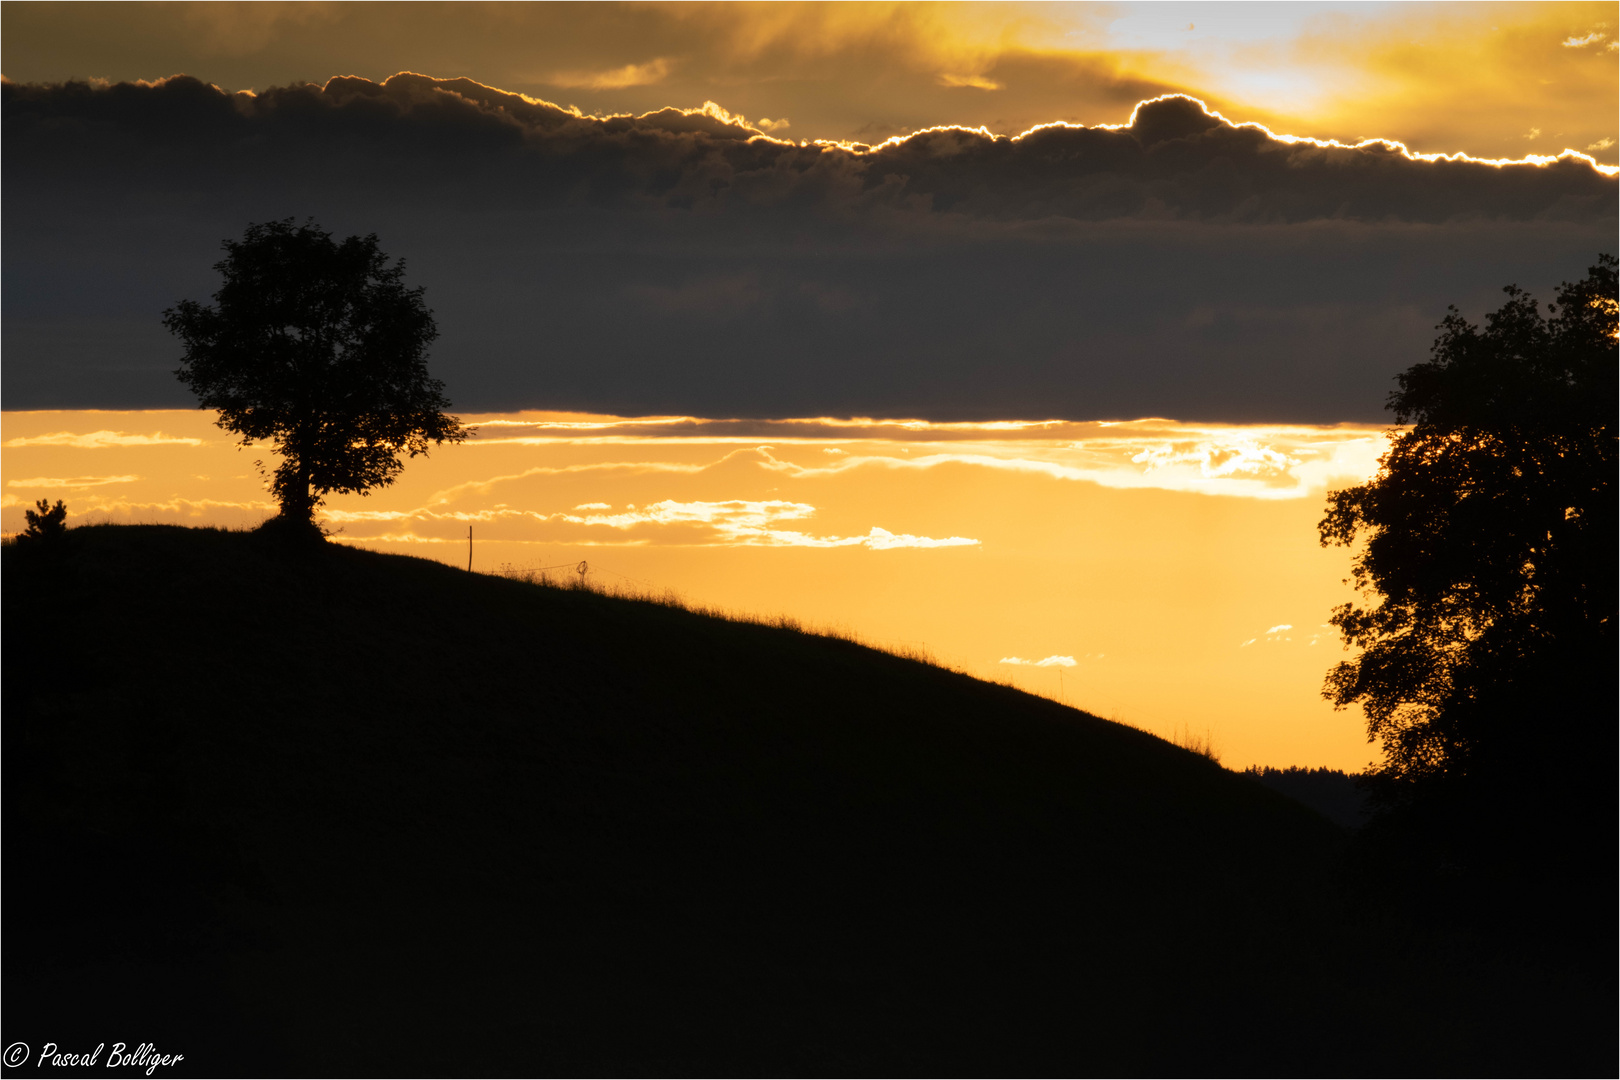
(47, 524)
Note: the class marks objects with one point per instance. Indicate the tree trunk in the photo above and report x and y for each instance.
(297, 505)
(296, 521)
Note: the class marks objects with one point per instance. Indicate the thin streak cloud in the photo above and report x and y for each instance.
(725, 523)
(1269, 462)
(70, 482)
(483, 486)
(1299, 479)
(977, 82)
(101, 440)
(647, 74)
(754, 523)
(215, 512)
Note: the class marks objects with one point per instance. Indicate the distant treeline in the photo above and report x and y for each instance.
(1336, 795)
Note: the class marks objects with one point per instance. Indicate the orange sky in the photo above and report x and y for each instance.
(1176, 566)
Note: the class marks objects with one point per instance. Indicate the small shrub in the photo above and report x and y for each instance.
(49, 523)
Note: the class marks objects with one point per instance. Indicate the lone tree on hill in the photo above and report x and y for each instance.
(1487, 664)
(319, 347)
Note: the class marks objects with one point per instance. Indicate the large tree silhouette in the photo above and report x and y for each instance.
(1486, 668)
(320, 348)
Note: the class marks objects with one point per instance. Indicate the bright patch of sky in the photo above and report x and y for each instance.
(1172, 26)
(1226, 40)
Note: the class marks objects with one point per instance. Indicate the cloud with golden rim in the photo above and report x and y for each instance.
(1172, 261)
(1442, 78)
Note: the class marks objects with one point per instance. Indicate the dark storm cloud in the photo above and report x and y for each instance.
(678, 262)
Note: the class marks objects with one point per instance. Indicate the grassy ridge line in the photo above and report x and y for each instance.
(368, 812)
(647, 593)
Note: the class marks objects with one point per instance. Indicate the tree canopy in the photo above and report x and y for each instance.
(319, 347)
(1490, 532)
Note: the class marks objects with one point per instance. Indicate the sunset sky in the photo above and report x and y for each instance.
(1019, 333)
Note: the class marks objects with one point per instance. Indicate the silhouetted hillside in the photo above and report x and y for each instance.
(334, 812)
(1332, 793)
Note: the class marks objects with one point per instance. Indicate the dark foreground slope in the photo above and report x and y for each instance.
(336, 812)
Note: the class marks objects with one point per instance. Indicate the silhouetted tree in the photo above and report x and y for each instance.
(320, 348)
(1487, 663)
(48, 523)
